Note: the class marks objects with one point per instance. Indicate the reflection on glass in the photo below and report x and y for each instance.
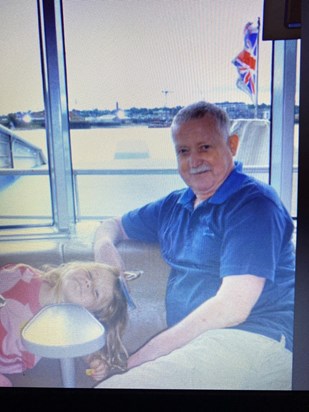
(24, 199)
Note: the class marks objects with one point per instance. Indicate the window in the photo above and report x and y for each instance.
(25, 197)
(129, 67)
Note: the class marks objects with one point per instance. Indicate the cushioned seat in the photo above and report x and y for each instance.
(148, 291)
(31, 252)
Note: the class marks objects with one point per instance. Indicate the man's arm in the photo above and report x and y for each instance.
(230, 307)
(107, 236)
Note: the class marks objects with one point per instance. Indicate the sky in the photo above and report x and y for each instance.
(130, 51)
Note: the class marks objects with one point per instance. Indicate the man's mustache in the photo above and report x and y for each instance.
(199, 169)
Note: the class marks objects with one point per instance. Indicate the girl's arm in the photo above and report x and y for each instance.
(98, 367)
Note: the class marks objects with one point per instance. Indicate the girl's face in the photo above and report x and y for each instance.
(87, 288)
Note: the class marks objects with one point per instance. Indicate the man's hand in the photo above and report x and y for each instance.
(230, 307)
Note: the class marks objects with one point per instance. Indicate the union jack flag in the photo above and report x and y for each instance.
(246, 62)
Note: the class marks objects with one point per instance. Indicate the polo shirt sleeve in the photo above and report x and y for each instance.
(142, 224)
(255, 234)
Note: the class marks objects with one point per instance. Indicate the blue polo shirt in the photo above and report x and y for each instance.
(242, 229)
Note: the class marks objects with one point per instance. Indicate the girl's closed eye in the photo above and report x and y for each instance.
(94, 290)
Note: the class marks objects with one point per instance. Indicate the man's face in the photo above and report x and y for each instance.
(204, 157)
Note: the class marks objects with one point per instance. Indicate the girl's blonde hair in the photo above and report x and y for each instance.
(113, 314)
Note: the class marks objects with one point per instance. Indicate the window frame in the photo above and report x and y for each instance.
(57, 114)
(282, 119)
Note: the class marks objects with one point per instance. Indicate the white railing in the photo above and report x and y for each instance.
(16, 152)
(43, 171)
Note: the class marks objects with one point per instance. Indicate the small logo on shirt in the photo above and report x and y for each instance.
(208, 232)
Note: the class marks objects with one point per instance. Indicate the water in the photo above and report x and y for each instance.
(131, 147)
(100, 196)
(94, 148)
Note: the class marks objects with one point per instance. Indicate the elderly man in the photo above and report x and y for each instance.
(227, 238)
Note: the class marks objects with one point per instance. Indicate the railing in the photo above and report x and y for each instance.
(15, 151)
(43, 171)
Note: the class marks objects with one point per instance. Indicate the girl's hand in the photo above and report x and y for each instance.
(98, 369)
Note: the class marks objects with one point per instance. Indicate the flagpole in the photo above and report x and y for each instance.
(257, 70)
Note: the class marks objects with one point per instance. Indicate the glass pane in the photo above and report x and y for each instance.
(24, 199)
(131, 65)
(131, 192)
(26, 202)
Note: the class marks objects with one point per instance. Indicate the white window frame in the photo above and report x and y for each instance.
(282, 120)
(57, 113)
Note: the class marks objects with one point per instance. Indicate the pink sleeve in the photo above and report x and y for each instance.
(14, 315)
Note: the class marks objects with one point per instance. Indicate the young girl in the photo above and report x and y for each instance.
(24, 290)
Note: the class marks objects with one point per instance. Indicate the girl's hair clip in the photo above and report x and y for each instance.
(2, 301)
(126, 293)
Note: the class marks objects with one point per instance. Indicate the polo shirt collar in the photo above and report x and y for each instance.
(230, 186)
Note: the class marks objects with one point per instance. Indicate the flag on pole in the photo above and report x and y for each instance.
(246, 62)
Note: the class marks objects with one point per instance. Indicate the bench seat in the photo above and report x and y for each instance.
(148, 292)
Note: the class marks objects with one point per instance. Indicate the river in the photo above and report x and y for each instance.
(132, 147)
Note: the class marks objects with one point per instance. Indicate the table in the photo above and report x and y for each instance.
(64, 331)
